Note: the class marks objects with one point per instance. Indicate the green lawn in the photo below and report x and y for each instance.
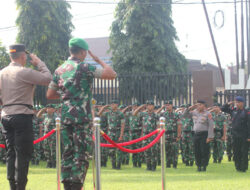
(218, 177)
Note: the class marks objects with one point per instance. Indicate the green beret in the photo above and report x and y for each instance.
(157, 107)
(169, 102)
(78, 42)
(101, 104)
(50, 106)
(114, 102)
(122, 106)
(150, 102)
(217, 104)
(136, 104)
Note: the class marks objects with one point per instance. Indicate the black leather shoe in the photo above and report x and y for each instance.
(199, 169)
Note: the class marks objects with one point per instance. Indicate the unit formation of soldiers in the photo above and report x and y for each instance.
(124, 123)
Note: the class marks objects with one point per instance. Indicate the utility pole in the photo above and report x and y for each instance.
(213, 41)
(236, 37)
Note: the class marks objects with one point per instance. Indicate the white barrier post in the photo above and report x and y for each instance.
(163, 154)
(97, 153)
(58, 151)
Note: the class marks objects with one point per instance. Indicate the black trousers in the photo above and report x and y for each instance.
(18, 133)
(240, 152)
(201, 149)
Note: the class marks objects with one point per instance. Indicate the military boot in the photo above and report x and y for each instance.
(67, 185)
(149, 166)
(134, 164)
(153, 167)
(191, 163)
(76, 186)
(229, 158)
(139, 164)
(113, 165)
(219, 161)
(199, 169)
(175, 165)
(168, 164)
(118, 166)
(12, 185)
(187, 163)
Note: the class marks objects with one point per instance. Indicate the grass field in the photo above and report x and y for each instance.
(218, 177)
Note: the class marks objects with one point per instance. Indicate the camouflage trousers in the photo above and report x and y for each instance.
(49, 147)
(229, 146)
(172, 150)
(136, 158)
(104, 153)
(151, 153)
(125, 155)
(2, 150)
(187, 148)
(218, 149)
(36, 153)
(77, 147)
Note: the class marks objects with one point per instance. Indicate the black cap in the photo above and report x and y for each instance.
(15, 48)
(201, 102)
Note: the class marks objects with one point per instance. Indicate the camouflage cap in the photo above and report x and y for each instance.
(78, 42)
(183, 106)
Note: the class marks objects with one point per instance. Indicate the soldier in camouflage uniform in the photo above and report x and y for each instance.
(2, 141)
(103, 114)
(229, 139)
(72, 82)
(157, 107)
(126, 136)
(219, 133)
(173, 134)
(149, 124)
(136, 132)
(116, 125)
(36, 130)
(50, 143)
(187, 139)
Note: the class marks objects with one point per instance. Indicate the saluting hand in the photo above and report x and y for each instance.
(209, 140)
(34, 59)
(93, 56)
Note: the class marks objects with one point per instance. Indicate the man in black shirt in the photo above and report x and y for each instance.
(241, 132)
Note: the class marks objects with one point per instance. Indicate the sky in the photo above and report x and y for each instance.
(94, 20)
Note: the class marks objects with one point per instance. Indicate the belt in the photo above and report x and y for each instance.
(26, 105)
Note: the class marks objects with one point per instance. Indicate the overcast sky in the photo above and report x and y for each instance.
(94, 20)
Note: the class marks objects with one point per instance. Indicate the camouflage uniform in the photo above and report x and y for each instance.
(126, 137)
(115, 120)
(229, 143)
(217, 144)
(149, 124)
(73, 81)
(136, 132)
(50, 143)
(172, 146)
(187, 141)
(2, 150)
(36, 130)
(104, 128)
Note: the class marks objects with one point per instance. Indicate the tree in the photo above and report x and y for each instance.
(45, 28)
(4, 57)
(143, 38)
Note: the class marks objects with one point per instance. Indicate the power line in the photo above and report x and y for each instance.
(180, 2)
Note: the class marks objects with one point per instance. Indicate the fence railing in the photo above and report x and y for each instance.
(229, 95)
(128, 88)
